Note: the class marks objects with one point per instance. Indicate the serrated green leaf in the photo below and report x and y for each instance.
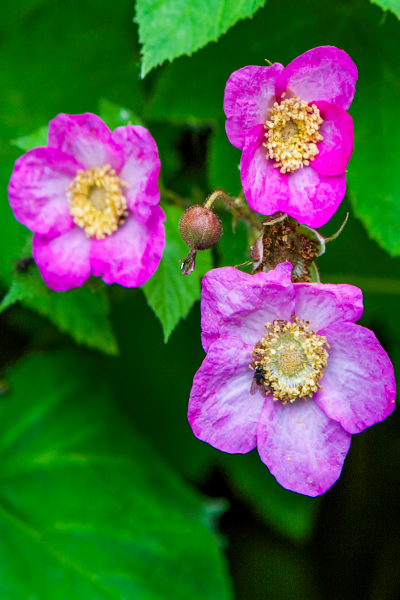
(393, 5)
(174, 27)
(35, 139)
(81, 312)
(170, 294)
(115, 116)
(87, 509)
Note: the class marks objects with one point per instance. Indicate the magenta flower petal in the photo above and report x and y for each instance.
(222, 411)
(301, 446)
(303, 440)
(37, 190)
(325, 303)
(336, 148)
(238, 304)
(324, 73)
(87, 138)
(314, 198)
(132, 254)
(63, 261)
(140, 170)
(249, 93)
(265, 187)
(358, 388)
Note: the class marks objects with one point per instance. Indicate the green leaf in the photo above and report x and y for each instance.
(174, 27)
(170, 294)
(393, 5)
(27, 142)
(87, 509)
(224, 164)
(292, 515)
(81, 312)
(115, 116)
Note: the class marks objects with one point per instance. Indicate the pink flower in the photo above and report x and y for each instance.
(295, 133)
(319, 382)
(91, 198)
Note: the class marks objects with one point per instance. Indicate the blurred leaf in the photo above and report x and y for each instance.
(375, 190)
(233, 247)
(87, 509)
(370, 285)
(223, 163)
(393, 5)
(27, 142)
(115, 116)
(170, 294)
(23, 287)
(292, 515)
(174, 27)
(80, 312)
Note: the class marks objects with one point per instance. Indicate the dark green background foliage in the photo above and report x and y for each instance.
(104, 491)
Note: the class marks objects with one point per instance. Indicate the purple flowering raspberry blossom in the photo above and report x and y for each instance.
(91, 198)
(320, 376)
(295, 133)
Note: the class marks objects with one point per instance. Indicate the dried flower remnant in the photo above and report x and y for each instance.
(295, 133)
(321, 376)
(91, 198)
(283, 242)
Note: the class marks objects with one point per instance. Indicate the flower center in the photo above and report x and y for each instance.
(96, 201)
(292, 134)
(291, 359)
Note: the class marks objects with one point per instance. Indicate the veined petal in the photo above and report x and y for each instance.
(325, 303)
(314, 198)
(238, 304)
(249, 93)
(131, 255)
(63, 261)
(265, 187)
(358, 388)
(222, 411)
(301, 446)
(37, 190)
(323, 73)
(87, 138)
(336, 148)
(140, 170)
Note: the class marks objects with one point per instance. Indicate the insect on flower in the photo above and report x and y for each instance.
(322, 378)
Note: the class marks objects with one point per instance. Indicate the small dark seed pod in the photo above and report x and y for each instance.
(200, 227)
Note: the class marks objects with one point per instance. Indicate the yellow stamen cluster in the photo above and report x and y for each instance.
(96, 201)
(292, 359)
(292, 134)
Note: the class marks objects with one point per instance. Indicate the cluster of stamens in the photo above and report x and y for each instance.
(96, 201)
(292, 134)
(291, 359)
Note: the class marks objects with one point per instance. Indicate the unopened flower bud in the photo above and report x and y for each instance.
(200, 227)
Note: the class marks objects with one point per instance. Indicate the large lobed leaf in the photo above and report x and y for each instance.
(170, 28)
(170, 294)
(87, 510)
